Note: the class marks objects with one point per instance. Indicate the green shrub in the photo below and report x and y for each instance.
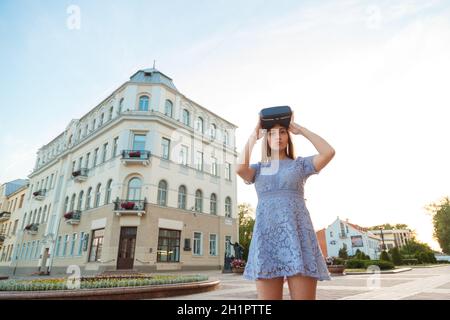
(383, 265)
(384, 256)
(410, 261)
(396, 256)
(355, 264)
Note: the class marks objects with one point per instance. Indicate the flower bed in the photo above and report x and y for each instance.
(97, 282)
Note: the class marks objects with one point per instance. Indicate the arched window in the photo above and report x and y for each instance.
(97, 196)
(213, 204)
(102, 119)
(24, 219)
(72, 202)
(162, 193)
(198, 201)
(111, 110)
(186, 117)
(226, 138)
(143, 103)
(80, 200)
(168, 108)
(228, 207)
(213, 131)
(66, 205)
(199, 125)
(108, 192)
(182, 197)
(120, 105)
(88, 199)
(134, 189)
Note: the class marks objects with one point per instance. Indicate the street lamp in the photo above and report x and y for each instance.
(383, 247)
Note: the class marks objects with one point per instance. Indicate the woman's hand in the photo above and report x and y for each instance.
(293, 127)
(258, 132)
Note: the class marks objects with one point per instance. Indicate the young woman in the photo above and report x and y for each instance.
(284, 243)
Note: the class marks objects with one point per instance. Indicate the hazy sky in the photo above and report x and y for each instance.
(371, 77)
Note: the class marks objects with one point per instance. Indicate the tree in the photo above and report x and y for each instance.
(384, 256)
(246, 224)
(396, 256)
(441, 223)
(343, 253)
(418, 250)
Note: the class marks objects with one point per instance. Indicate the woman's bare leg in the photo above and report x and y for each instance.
(270, 289)
(302, 288)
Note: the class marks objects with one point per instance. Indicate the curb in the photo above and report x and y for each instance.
(118, 293)
(381, 272)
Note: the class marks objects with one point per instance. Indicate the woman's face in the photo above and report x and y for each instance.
(278, 138)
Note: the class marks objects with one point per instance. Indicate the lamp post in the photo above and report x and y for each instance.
(383, 247)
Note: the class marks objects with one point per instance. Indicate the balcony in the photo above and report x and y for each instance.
(80, 175)
(32, 228)
(73, 217)
(39, 195)
(342, 235)
(4, 216)
(136, 157)
(129, 207)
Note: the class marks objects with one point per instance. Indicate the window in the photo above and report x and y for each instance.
(198, 243)
(162, 193)
(105, 148)
(80, 162)
(213, 244)
(93, 124)
(72, 202)
(44, 214)
(86, 130)
(102, 119)
(182, 197)
(226, 138)
(186, 117)
(168, 246)
(39, 216)
(114, 152)
(88, 199)
(108, 192)
(80, 244)
(228, 207)
(24, 219)
(213, 166)
(184, 155)
(213, 204)
(199, 124)
(97, 196)
(134, 189)
(73, 165)
(66, 242)
(87, 160)
(331, 234)
(72, 244)
(139, 142)
(80, 200)
(143, 103)
(168, 108)
(198, 200)
(95, 157)
(227, 171)
(165, 147)
(213, 131)
(110, 113)
(96, 245)
(120, 105)
(199, 161)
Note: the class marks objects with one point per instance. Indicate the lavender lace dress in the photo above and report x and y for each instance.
(284, 242)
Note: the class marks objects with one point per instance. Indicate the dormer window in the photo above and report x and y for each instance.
(147, 74)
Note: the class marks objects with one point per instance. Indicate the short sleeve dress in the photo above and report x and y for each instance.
(284, 242)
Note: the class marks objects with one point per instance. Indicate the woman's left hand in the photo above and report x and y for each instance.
(293, 127)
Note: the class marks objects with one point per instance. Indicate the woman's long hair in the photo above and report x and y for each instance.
(266, 150)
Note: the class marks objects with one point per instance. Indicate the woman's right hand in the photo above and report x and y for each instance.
(258, 132)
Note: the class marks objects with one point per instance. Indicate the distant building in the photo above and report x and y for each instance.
(394, 238)
(343, 234)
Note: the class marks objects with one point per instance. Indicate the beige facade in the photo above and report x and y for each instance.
(11, 209)
(144, 181)
(394, 238)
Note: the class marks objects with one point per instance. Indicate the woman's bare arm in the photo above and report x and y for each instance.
(243, 168)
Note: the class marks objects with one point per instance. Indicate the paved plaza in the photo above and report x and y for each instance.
(416, 284)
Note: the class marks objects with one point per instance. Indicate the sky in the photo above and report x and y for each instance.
(370, 77)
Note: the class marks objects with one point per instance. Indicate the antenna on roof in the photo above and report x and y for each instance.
(154, 61)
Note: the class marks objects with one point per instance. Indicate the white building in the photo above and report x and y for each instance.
(343, 234)
(144, 181)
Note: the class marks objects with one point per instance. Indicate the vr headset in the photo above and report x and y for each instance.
(275, 115)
